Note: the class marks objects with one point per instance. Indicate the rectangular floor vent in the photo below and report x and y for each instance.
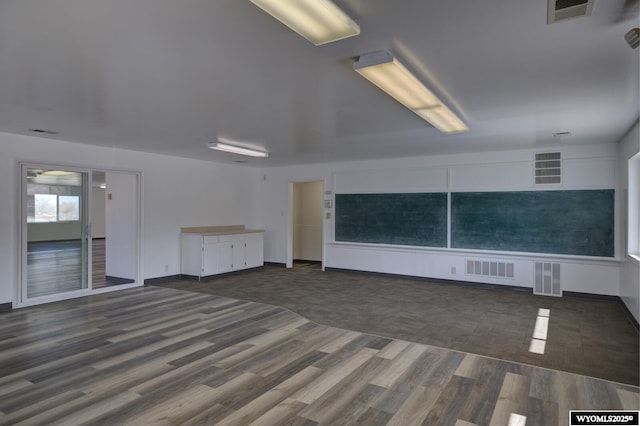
(548, 167)
(487, 268)
(547, 279)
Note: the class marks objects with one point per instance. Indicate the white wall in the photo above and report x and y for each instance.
(629, 267)
(593, 167)
(307, 221)
(121, 224)
(177, 192)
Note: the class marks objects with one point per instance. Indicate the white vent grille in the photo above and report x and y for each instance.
(548, 168)
(487, 268)
(547, 279)
(561, 10)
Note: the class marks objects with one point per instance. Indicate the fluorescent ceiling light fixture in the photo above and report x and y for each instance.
(57, 173)
(383, 70)
(221, 146)
(319, 21)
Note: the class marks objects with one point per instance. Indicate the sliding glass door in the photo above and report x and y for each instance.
(56, 232)
(80, 232)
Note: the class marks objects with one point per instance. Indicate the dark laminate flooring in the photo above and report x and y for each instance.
(55, 267)
(159, 356)
(588, 337)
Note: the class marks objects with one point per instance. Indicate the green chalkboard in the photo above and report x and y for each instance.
(555, 222)
(415, 219)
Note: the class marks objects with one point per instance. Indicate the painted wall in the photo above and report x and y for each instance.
(121, 217)
(586, 167)
(630, 267)
(307, 221)
(177, 193)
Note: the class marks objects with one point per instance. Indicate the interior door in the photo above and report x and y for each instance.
(56, 232)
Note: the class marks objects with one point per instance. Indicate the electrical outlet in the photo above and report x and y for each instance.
(453, 270)
(166, 267)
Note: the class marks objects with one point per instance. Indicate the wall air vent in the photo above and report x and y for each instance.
(547, 279)
(561, 10)
(548, 168)
(486, 268)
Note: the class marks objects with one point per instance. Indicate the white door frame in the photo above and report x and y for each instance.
(290, 224)
(21, 300)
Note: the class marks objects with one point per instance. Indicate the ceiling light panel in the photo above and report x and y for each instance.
(319, 21)
(388, 74)
(237, 149)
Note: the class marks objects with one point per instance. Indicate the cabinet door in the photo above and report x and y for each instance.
(238, 255)
(191, 254)
(254, 256)
(209, 258)
(225, 256)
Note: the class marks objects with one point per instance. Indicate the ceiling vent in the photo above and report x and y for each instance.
(561, 10)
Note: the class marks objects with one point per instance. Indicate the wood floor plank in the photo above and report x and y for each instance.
(89, 411)
(332, 376)
(281, 414)
(30, 413)
(399, 365)
(213, 360)
(447, 408)
(416, 407)
(335, 405)
(513, 398)
(629, 400)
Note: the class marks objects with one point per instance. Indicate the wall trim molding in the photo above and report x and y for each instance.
(159, 280)
(6, 307)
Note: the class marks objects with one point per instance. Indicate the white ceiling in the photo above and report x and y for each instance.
(167, 76)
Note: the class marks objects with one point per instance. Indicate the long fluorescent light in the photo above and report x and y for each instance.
(383, 70)
(220, 146)
(319, 21)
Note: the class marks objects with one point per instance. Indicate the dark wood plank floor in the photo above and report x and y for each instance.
(588, 337)
(164, 356)
(55, 267)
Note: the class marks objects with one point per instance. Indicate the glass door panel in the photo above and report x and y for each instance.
(57, 232)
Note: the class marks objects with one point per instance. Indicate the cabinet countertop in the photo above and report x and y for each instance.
(219, 230)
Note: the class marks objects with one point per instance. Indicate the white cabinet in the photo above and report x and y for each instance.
(210, 250)
(240, 251)
(206, 254)
(254, 251)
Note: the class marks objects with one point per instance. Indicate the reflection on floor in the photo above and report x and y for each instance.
(56, 267)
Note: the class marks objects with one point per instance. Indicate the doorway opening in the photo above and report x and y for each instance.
(306, 225)
(68, 222)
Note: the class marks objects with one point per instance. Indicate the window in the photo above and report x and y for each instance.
(52, 203)
(68, 207)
